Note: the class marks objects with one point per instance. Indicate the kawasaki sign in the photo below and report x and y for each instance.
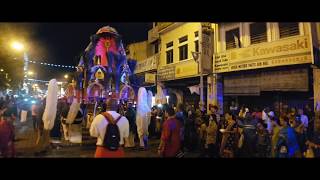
(294, 50)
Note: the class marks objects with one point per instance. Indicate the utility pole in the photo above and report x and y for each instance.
(196, 56)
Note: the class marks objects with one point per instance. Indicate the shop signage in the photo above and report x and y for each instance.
(150, 77)
(166, 73)
(147, 64)
(206, 52)
(187, 68)
(294, 50)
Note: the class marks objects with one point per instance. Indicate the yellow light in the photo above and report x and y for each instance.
(66, 76)
(30, 73)
(1, 70)
(17, 46)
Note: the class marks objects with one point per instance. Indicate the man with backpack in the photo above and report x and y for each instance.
(110, 129)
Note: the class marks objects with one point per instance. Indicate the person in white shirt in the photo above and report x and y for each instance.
(267, 114)
(233, 108)
(98, 130)
(270, 116)
(304, 119)
(265, 117)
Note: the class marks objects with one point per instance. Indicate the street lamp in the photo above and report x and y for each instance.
(18, 46)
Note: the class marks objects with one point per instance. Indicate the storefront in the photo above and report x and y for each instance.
(181, 82)
(273, 87)
(276, 74)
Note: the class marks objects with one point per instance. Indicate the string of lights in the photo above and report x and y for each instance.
(52, 65)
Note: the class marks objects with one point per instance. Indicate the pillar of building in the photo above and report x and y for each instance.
(215, 91)
(316, 91)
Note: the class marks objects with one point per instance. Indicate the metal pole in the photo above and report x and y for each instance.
(201, 67)
(201, 84)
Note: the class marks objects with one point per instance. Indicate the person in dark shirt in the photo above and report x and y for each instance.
(7, 135)
(131, 116)
(310, 114)
(170, 136)
(314, 142)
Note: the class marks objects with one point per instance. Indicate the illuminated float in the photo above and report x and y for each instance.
(103, 71)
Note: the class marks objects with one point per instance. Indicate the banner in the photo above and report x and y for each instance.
(294, 50)
(166, 73)
(194, 89)
(186, 69)
(150, 78)
(206, 48)
(147, 64)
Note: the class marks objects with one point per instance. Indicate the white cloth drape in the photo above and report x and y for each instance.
(194, 89)
(160, 96)
(143, 114)
(74, 109)
(50, 111)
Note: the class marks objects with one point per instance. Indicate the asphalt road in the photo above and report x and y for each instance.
(25, 146)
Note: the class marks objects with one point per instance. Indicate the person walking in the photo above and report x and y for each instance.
(34, 115)
(111, 129)
(170, 136)
(229, 137)
(7, 135)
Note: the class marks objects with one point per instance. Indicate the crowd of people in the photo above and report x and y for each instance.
(245, 133)
(239, 132)
(236, 133)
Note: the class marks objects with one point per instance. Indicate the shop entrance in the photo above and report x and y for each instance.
(276, 100)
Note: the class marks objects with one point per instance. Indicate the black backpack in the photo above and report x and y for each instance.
(112, 136)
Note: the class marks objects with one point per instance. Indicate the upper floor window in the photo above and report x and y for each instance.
(233, 38)
(196, 34)
(196, 45)
(183, 52)
(169, 52)
(156, 47)
(183, 48)
(196, 42)
(258, 33)
(169, 56)
(170, 44)
(288, 29)
(183, 39)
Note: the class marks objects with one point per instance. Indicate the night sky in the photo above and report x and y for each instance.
(61, 43)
